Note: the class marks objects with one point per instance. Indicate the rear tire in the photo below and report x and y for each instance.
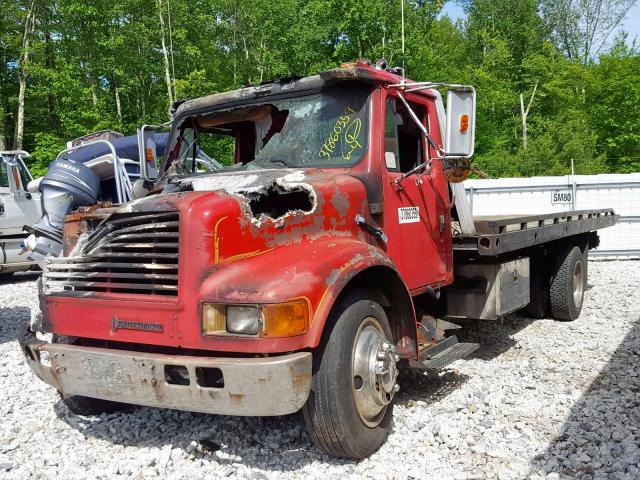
(566, 293)
(350, 407)
(88, 406)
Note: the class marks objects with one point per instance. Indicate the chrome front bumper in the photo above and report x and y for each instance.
(251, 386)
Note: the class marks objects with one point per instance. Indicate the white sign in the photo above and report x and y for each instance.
(561, 197)
(390, 160)
(408, 215)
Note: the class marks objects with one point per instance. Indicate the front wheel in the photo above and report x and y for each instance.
(350, 407)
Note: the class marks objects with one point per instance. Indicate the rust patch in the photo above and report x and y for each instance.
(300, 381)
(236, 398)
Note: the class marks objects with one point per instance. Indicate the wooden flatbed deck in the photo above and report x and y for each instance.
(496, 235)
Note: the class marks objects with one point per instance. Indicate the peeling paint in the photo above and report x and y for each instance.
(340, 202)
(251, 187)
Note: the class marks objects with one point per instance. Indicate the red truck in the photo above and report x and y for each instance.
(337, 248)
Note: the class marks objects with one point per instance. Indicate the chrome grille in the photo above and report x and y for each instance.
(126, 253)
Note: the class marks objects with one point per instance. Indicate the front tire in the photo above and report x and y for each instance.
(350, 408)
(569, 281)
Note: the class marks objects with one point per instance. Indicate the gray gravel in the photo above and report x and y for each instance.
(540, 399)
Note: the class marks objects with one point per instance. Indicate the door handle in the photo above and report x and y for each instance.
(377, 232)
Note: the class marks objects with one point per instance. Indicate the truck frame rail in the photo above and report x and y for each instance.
(497, 235)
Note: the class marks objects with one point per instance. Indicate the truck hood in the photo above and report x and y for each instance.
(273, 195)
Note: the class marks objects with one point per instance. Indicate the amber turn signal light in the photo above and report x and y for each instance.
(464, 123)
(285, 319)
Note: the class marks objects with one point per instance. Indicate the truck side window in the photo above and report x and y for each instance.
(403, 138)
(391, 153)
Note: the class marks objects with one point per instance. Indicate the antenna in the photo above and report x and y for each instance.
(403, 55)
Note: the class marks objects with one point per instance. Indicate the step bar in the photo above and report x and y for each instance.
(443, 353)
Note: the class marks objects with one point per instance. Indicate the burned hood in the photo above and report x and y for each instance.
(242, 180)
(272, 195)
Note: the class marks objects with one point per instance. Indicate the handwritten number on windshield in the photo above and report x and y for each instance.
(349, 129)
(351, 136)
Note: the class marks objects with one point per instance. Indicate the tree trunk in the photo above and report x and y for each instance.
(93, 84)
(49, 56)
(116, 91)
(94, 94)
(165, 53)
(29, 26)
(2, 144)
(524, 114)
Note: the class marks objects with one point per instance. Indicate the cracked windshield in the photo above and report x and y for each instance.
(327, 129)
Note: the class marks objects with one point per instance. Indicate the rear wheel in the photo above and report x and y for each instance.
(91, 406)
(568, 283)
(350, 407)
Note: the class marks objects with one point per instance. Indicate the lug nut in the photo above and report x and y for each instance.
(381, 355)
(396, 357)
(380, 370)
(396, 387)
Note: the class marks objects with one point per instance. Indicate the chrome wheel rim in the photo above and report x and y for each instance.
(374, 372)
(578, 284)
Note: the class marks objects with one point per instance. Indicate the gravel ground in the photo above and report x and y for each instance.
(540, 399)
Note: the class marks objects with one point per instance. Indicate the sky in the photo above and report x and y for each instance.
(631, 23)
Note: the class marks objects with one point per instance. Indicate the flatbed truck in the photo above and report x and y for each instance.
(338, 248)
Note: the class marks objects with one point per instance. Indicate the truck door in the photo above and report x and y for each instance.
(416, 210)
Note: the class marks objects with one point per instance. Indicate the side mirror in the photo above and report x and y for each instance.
(461, 123)
(147, 153)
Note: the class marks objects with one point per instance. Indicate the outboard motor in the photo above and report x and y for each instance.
(66, 186)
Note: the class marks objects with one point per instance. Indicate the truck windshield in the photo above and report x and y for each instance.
(326, 129)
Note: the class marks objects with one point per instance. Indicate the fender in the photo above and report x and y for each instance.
(317, 270)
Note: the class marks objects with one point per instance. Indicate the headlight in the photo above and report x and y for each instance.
(214, 319)
(270, 320)
(243, 319)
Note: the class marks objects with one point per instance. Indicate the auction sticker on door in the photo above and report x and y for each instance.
(408, 215)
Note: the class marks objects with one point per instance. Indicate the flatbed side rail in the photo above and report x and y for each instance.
(498, 235)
